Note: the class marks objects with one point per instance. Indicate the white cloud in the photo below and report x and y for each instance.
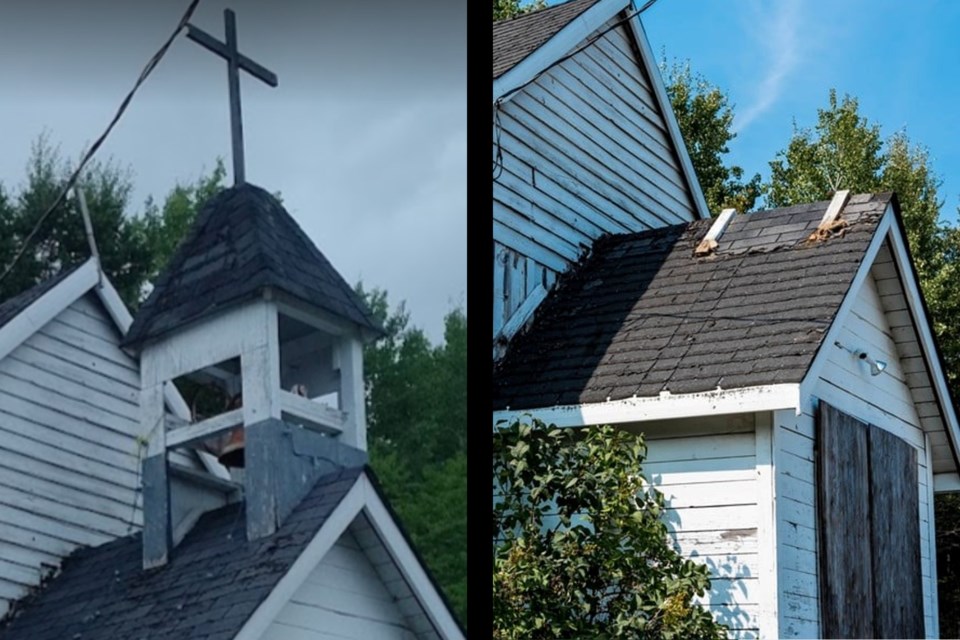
(776, 29)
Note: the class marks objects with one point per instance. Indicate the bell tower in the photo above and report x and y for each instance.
(254, 319)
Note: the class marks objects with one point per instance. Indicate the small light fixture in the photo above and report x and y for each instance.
(876, 366)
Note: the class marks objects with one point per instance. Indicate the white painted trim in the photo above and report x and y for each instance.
(709, 242)
(522, 314)
(204, 429)
(575, 33)
(562, 42)
(834, 209)
(946, 482)
(820, 360)
(922, 324)
(118, 311)
(47, 307)
(317, 416)
(362, 496)
(673, 128)
(887, 229)
(767, 614)
(409, 566)
(932, 538)
(665, 406)
(331, 530)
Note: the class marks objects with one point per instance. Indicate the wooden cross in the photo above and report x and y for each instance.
(235, 62)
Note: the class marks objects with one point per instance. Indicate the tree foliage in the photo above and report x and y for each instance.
(132, 248)
(845, 151)
(161, 229)
(580, 549)
(61, 240)
(705, 118)
(504, 9)
(417, 417)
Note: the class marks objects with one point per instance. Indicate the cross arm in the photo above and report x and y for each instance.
(209, 42)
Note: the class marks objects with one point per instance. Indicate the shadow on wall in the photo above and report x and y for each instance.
(729, 556)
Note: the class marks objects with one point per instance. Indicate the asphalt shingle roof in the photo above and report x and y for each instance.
(243, 241)
(516, 38)
(214, 581)
(643, 315)
(11, 307)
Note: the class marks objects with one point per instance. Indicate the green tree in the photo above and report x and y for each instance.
(161, 229)
(580, 549)
(843, 151)
(504, 9)
(61, 239)
(416, 415)
(705, 118)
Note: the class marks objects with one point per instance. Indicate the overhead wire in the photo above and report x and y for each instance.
(147, 70)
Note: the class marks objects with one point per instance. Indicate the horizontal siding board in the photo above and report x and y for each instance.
(655, 178)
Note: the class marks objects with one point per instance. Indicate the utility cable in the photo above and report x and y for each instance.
(147, 69)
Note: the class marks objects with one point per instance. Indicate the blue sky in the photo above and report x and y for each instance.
(778, 60)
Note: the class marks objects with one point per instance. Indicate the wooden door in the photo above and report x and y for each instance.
(868, 492)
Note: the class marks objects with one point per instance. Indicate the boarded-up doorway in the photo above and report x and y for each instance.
(868, 492)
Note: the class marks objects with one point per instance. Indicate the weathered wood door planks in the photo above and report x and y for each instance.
(870, 574)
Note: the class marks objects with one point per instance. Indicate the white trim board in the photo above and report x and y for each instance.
(363, 497)
(47, 307)
(571, 36)
(562, 42)
(889, 230)
(53, 302)
(662, 407)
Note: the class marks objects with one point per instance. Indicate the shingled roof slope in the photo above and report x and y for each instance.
(12, 307)
(243, 241)
(643, 315)
(516, 38)
(212, 584)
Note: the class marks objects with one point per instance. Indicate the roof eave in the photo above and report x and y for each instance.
(666, 406)
(891, 228)
(364, 497)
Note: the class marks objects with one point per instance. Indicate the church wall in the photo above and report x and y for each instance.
(707, 471)
(586, 151)
(69, 416)
(885, 401)
(344, 597)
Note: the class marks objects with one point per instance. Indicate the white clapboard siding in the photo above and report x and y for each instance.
(710, 485)
(343, 597)
(585, 152)
(916, 375)
(885, 401)
(69, 417)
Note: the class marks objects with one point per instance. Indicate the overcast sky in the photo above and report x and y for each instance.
(365, 136)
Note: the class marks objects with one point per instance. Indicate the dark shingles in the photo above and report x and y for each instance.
(11, 307)
(642, 315)
(242, 242)
(516, 38)
(214, 581)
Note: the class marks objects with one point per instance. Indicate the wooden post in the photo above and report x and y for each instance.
(352, 395)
